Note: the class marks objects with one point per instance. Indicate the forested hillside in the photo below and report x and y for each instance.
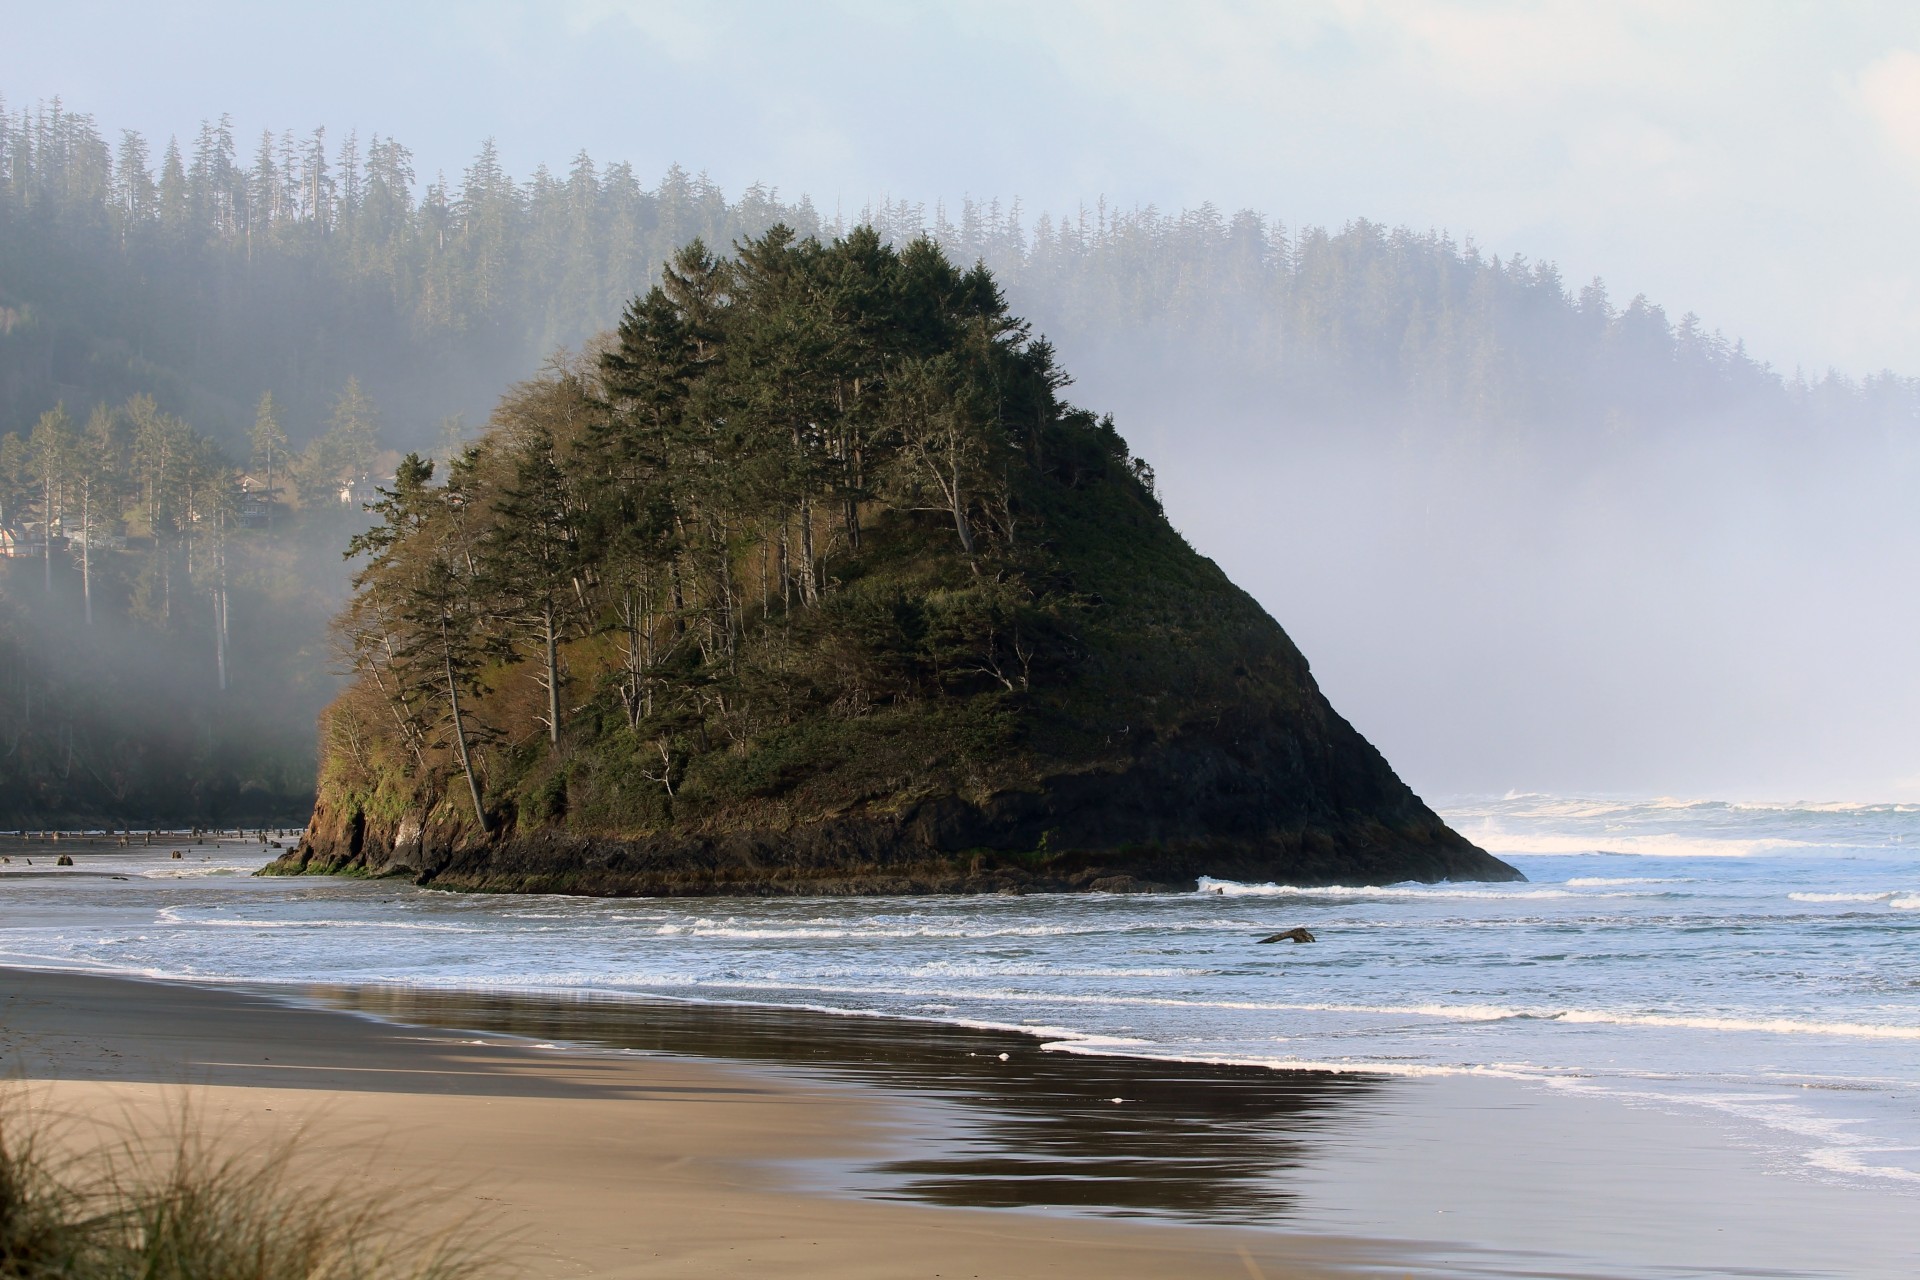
(163, 614)
(210, 271)
(1433, 421)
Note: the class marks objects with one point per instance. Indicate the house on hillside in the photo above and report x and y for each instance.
(258, 503)
(106, 536)
(28, 540)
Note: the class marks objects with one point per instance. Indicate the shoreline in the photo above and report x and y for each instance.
(590, 1160)
(1476, 1172)
(628, 1137)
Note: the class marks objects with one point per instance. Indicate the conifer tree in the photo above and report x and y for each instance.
(530, 567)
(96, 468)
(53, 445)
(344, 454)
(268, 443)
(418, 581)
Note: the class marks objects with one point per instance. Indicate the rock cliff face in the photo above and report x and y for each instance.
(1255, 795)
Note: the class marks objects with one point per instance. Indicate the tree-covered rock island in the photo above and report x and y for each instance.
(808, 581)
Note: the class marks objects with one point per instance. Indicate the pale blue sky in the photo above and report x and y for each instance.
(1756, 163)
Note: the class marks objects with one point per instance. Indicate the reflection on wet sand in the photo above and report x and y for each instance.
(1015, 1126)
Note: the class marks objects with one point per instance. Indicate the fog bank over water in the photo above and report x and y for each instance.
(1697, 621)
(1532, 533)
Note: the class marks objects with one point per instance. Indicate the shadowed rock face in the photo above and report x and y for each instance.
(1175, 749)
(1260, 799)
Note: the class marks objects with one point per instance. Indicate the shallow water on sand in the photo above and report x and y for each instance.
(1753, 968)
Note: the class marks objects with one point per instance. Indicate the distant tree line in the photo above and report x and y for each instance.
(132, 548)
(231, 265)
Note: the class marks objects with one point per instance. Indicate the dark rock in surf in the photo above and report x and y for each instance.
(1291, 935)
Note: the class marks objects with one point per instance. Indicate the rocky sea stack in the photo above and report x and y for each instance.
(808, 582)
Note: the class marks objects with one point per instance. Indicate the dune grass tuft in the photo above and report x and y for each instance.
(192, 1208)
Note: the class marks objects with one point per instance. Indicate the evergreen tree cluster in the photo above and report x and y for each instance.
(220, 270)
(800, 498)
(159, 608)
(207, 276)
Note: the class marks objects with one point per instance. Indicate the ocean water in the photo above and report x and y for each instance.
(1754, 965)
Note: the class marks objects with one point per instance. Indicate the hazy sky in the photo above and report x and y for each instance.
(1756, 163)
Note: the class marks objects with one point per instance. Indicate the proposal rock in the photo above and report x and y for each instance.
(809, 581)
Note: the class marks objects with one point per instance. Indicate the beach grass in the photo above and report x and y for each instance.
(188, 1204)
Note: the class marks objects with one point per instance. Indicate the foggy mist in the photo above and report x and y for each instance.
(1703, 613)
(1289, 617)
(1529, 536)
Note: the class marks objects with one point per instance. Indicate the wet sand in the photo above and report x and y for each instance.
(619, 1137)
(628, 1165)
(661, 1138)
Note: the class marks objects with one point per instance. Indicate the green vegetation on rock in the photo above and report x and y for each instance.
(807, 580)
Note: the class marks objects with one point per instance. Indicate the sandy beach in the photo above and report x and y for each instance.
(610, 1132)
(729, 1141)
(602, 1166)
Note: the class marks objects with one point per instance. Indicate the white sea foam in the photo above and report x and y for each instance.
(1773, 1026)
(1596, 882)
(1831, 1144)
(1278, 1062)
(880, 929)
(1495, 839)
(1844, 897)
(1049, 969)
(1578, 808)
(1864, 808)
(1850, 1161)
(1411, 890)
(175, 916)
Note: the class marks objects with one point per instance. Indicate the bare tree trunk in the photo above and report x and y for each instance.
(220, 597)
(729, 601)
(402, 713)
(807, 586)
(678, 596)
(960, 524)
(786, 566)
(553, 673)
(459, 729)
(86, 547)
(630, 623)
(850, 448)
(219, 642)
